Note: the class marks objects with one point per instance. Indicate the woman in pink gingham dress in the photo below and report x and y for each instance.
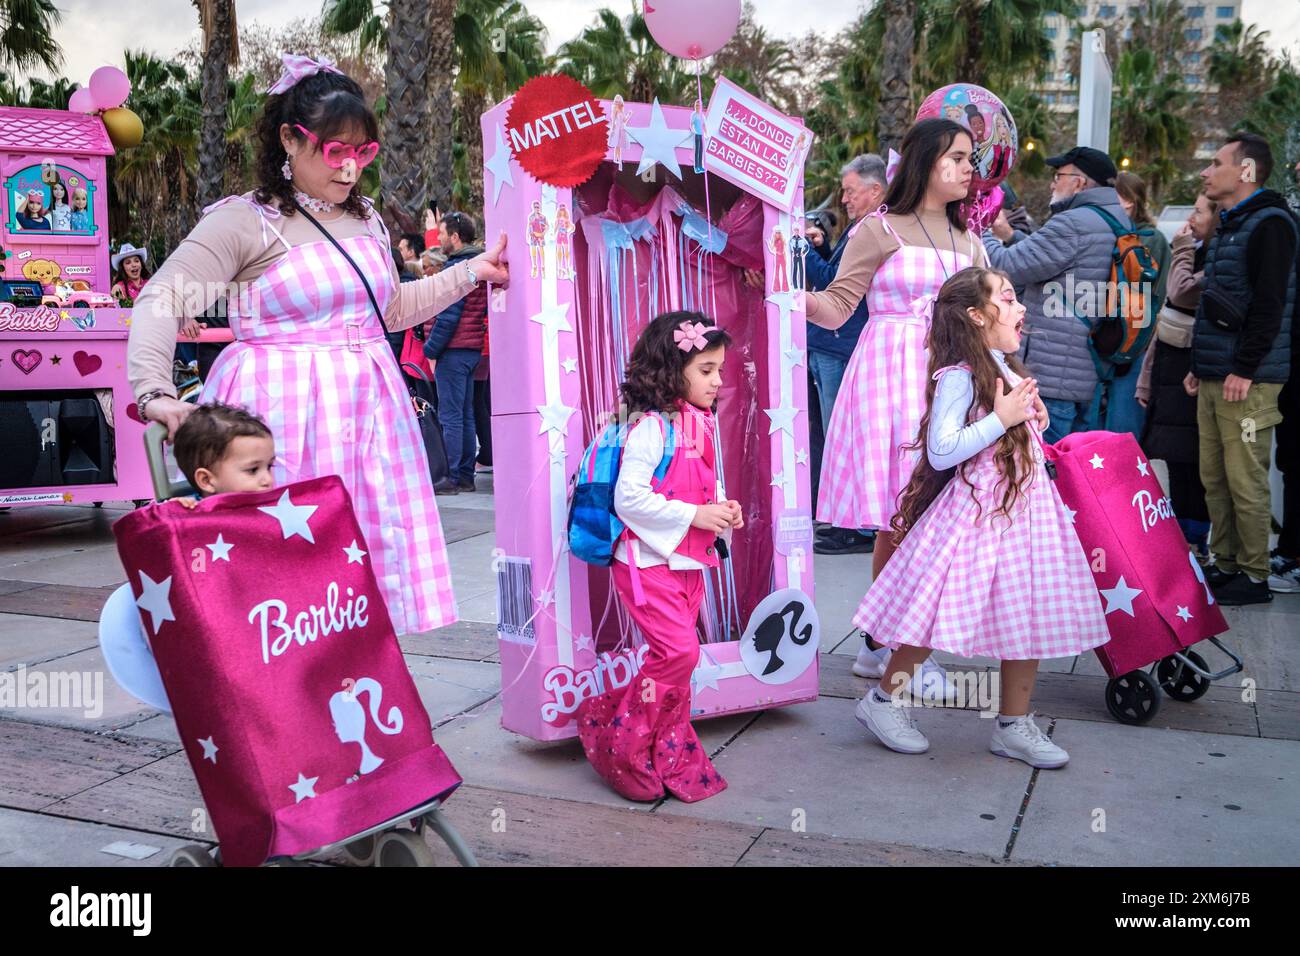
(896, 258)
(310, 355)
(989, 564)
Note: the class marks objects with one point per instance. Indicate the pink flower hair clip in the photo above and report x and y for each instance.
(690, 336)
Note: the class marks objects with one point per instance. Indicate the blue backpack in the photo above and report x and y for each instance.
(594, 528)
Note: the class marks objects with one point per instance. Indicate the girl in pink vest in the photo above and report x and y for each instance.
(988, 563)
(639, 737)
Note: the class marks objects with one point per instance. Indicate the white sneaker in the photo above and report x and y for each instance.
(871, 663)
(1024, 740)
(892, 724)
(1285, 583)
(935, 682)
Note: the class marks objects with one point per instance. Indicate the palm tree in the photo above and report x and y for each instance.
(27, 35)
(417, 138)
(1241, 68)
(761, 64)
(897, 61)
(36, 93)
(499, 45)
(220, 51)
(620, 57)
(1149, 116)
(358, 19)
(991, 43)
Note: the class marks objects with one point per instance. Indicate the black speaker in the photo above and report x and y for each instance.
(85, 443)
(28, 434)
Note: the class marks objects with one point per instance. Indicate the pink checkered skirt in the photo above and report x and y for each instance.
(973, 584)
(311, 359)
(865, 465)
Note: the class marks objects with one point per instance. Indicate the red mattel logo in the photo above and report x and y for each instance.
(557, 130)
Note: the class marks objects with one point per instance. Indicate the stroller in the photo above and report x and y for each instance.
(271, 725)
(1157, 602)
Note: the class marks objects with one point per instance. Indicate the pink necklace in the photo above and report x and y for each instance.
(310, 202)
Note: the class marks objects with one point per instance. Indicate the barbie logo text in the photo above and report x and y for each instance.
(40, 319)
(309, 624)
(572, 687)
(1152, 509)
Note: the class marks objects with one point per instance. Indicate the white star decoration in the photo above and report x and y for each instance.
(1184, 613)
(304, 788)
(209, 749)
(499, 167)
(557, 455)
(546, 598)
(794, 356)
(782, 418)
(1142, 467)
(293, 518)
(155, 597)
(555, 418)
(1096, 460)
(658, 142)
(778, 480)
(705, 677)
(570, 365)
(220, 549)
(801, 456)
(354, 553)
(554, 320)
(1120, 597)
(783, 301)
(1071, 512)
(584, 643)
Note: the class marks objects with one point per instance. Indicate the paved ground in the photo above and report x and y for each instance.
(1215, 782)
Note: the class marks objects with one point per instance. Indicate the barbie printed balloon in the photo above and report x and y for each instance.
(991, 127)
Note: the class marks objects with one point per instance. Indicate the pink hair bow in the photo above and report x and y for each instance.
(299, 68)
(892, 166)
(690, 335)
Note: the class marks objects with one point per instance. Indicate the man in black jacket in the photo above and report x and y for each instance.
(1241, 358)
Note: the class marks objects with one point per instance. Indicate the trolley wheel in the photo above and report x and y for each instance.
(192, 855)
(362, 852)
(1188, 685)
(141, 502)
(403, 848)
(1132, 698)
(99, 504)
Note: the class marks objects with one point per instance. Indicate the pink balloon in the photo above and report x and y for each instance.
(82, 101)
(110, 87)
(692, 29)
(992, 129)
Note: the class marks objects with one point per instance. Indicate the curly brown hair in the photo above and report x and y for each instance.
(331, 105)
(656, 370)
(954, 339)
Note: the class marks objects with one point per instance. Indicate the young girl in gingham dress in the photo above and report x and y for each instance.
(988, 563)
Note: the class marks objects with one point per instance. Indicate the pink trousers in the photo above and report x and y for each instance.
(639, 737)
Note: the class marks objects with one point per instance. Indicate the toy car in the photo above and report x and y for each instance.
(77, 295)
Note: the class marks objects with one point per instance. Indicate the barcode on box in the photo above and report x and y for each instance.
(515, 607)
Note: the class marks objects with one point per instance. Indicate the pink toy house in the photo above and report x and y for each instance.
(66, 411)
(591, 265)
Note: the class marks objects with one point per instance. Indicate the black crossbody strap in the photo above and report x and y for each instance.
(352, 262)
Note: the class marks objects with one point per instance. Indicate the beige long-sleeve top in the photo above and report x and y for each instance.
(870, 246)
(236, 244)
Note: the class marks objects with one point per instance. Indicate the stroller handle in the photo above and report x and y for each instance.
(163, 487)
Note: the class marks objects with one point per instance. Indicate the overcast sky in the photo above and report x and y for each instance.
(92, 35)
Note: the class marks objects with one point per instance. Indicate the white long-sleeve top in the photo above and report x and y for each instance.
(658, 521)
(951, 440)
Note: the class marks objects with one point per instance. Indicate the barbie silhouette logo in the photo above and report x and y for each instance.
(572, 687)
(782, 637)
(350, 717)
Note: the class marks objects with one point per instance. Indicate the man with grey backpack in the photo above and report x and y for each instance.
(1241, 358)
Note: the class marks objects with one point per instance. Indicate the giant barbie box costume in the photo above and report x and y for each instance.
(290, 693)
(1154, 593)
(591, 264)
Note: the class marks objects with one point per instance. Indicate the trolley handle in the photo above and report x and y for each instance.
(163, 487)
